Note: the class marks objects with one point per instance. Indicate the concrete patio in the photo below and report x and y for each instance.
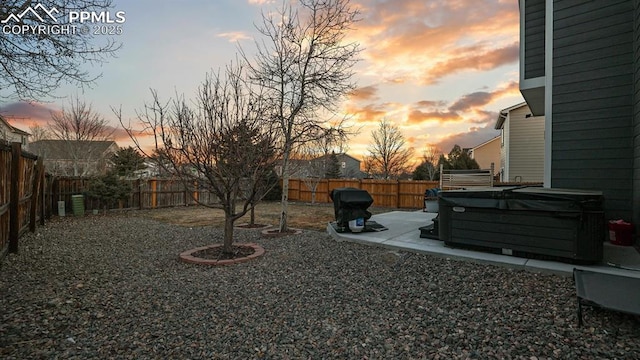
(403, 234)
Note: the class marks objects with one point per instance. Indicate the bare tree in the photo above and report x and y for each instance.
(79, 127)
(368, 166)
(34, 63)
(39, 133)
(305, 65)
(79, 122)
(388, 155)
(221, 142)
(430, 156)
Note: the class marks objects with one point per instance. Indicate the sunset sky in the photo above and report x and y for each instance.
(438, 69)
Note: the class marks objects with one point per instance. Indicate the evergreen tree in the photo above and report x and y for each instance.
(458, 159)
(423, 171)
(275, 191)
(333, 167)
(126, 161)
(108, 189)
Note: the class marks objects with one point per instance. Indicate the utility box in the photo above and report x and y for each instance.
(547, 223)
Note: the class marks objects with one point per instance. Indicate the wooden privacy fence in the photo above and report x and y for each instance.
(402, 194)
(20, 186)
(145, 194)
(159, 193)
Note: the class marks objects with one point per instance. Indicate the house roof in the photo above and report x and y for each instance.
(486, 142)
(59, 150)
(13, 128)
(502, 115)
(340, 154)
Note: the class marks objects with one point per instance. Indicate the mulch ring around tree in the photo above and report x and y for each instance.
(251, 226)
(275, 232)
(214, 256)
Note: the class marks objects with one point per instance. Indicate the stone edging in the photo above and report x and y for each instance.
(187, 256)
(273, 232)
(243, 227)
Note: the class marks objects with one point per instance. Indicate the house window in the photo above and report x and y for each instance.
(24, 141)
(344, 164)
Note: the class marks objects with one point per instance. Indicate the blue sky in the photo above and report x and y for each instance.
(438, 69)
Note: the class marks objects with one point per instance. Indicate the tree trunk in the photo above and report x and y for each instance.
(284, 203)
(228, 233)
(313, 196)
(252, 216)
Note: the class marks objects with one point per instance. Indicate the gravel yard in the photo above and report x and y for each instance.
(113, 287)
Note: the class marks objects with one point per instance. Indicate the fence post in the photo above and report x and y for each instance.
(139, 184)
(14, 199)
(33, 211)
(43, 185)
(196, 192)
(154, 195)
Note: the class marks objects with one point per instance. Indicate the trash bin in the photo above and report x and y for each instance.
(431, 200)
(350, 208)
(621, 232)
(77, 205)
(61, 208)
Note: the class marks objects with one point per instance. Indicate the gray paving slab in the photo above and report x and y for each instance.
(404, 234)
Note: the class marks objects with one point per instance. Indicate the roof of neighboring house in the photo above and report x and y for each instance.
(58, 150)
(340, 154)
(13, 128)
(486, 142)
(502, 115)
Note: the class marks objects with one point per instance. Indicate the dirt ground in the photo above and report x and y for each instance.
(301, 215)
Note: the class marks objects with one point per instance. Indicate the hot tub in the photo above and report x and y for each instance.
(563, 224)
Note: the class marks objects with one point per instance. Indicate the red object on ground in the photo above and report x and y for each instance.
(621, 232)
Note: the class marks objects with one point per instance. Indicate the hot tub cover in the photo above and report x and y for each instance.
(525, 199)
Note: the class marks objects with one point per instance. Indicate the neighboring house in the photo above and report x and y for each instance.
(580, 68)
(488, 153)
(521, 144)
(349, 167)
(297, 168)
(11, 133)
(151, 169)
(75, 158)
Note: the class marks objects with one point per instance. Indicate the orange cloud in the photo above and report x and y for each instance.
(435, 41)
(23, 114)
(473, 61)
(469, 107)
(364, 93)
(367, 113)
(418, 116)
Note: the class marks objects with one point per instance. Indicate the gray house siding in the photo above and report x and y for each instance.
(636, 114)
(592, 100)
(351, 168)
(534, 38)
